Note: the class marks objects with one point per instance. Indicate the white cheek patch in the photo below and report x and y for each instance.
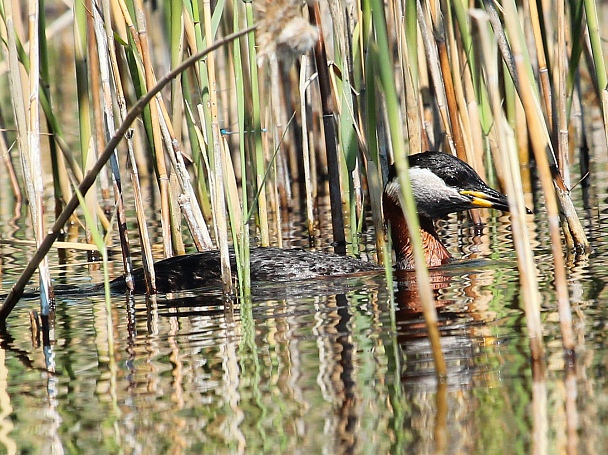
(430, 189)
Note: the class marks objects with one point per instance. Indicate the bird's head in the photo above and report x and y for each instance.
(443, 184)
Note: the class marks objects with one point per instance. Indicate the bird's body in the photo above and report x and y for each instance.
(441, 184)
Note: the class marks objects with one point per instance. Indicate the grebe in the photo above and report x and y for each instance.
(441, 184)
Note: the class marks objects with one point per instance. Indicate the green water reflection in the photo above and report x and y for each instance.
(337, 369)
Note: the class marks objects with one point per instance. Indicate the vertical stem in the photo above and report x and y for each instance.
(335, 198)
(218, 158)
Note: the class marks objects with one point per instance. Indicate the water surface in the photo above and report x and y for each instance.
(342, 368)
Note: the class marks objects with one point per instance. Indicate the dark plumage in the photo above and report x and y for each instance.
(441, 184)
(268, 265)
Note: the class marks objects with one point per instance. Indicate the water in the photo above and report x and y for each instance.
(338, 370)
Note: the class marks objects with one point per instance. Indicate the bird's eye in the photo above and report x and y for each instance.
(452, 180)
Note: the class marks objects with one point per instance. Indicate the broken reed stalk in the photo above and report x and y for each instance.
(89, 179)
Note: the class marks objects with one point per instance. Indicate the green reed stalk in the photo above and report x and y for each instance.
(84, 105)
(408, 203)
(347, 142)
(260, 166)
(242, 229)
(364, 75)
(58, 166)
(577, 29)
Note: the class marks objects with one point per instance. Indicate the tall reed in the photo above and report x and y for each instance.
(391, 78)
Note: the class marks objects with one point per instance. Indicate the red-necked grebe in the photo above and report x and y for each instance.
(441, 184)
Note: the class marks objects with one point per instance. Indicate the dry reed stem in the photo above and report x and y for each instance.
(409, 80)
(306, 152)
(527, 269)
(540, 148)
(436, 76)
(10, 170)
(159, 154)
(540, 426)
(219, 159)
(540, 139)
(561, 279)
(543, 71)
(106, 118)
(193, 215)
(440, 34)
(33, 151)
(145, 243)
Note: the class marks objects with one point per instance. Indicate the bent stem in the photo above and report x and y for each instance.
(89, 179)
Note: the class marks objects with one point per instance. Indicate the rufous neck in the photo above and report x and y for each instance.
(435, 252)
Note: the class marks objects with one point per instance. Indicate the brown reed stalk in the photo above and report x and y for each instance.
(439, 32)
(434, 66)
(528, 273)
(337, 218)
(543, 71)
(561, 279)
(141, 39)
